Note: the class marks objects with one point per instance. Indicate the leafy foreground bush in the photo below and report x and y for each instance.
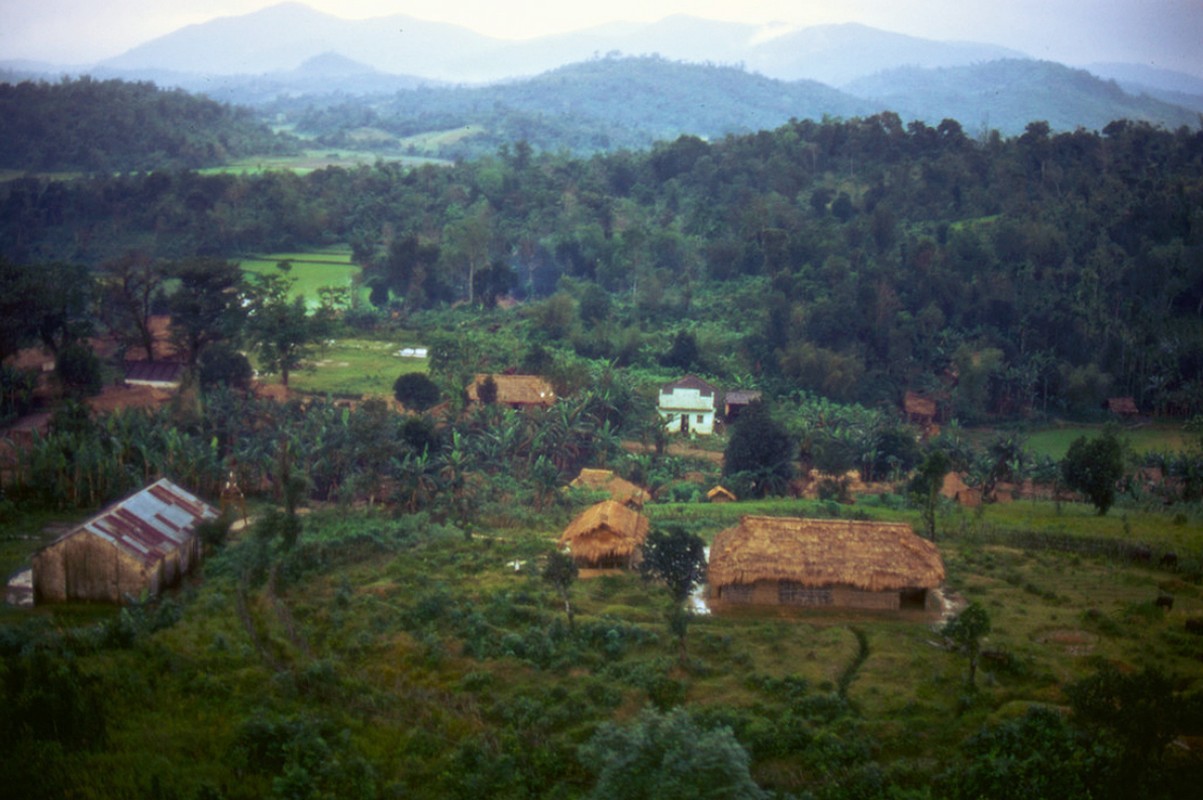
(668, 757)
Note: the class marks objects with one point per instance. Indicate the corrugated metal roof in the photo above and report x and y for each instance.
(688, 382)
(152, 523)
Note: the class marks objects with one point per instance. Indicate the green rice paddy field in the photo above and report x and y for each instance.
(311, 269)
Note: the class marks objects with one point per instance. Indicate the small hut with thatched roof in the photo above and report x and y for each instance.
(142, 544)
(606, 536)
(515, 391)
(620, 489)
(823, 562)
(721, 494)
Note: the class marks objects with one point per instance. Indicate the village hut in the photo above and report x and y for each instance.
(143, 543)
(736, 401)
(606, 536)
(1123, 407)
(961, 493)
(156, 374)
(515, 391)
(720, 494)
(619, 489)
(791, 561)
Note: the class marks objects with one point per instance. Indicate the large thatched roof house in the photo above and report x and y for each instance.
(143, 543)
(620, 489)
(606, 536)
(823, 562)
(516, 391)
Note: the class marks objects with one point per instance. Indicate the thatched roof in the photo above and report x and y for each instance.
(871, 556)
(1123, 406)
(515, 390)
(607, 530)
(917, 405)
(720, 493)
(604, 480)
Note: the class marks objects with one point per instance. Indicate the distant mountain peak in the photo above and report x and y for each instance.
(332, 64)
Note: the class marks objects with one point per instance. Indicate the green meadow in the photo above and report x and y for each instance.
(357, 367)
(312, 160)
(311, 270)
(1153, 437)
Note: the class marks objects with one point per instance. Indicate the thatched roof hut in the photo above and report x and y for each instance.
(955, 489)
(620, 489)
(516, 391)
(721, 494)
(1123, 407)
(143, 543)
(607, 535)
(823, 562)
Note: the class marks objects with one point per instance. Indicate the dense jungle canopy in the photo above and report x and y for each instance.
(854, 258)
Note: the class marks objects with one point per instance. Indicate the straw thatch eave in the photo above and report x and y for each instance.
(516, 390)
(604, 480)
(606, 531)
(870, 556)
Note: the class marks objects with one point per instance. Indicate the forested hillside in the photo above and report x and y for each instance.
(600, 105)
(105, 126)
(853, 258)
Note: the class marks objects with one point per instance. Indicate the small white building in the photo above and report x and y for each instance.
(687, 405)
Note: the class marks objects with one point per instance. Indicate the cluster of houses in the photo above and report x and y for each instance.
(150, 541)
(772, 561)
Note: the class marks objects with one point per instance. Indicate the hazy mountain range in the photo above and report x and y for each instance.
(283, 37)
(714, 77)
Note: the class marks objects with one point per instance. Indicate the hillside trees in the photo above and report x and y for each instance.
(119, 126)
(206, 305)
(759, 454)
(132, 288)
(1042, 274)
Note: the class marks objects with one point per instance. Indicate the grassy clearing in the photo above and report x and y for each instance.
(311, 270)
(411, 647)
(315, 159)
(1055, 441)
(357, 367)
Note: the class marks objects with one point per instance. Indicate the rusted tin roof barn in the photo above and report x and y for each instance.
(145, 542)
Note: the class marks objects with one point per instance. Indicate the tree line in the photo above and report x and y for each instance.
(90, 125)
(855, 259)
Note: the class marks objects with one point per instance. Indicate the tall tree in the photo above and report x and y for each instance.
(924, 487)
(131, 287)
(965, 631)
(1094, 467)
(206, 306)
(466, 243)
(761, 450)
(676, 558)
(561, 572)
(279, 327)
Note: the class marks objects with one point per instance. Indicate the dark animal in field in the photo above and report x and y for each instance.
(1165, 602)
(1195, 625)
(1140, 553)
(1169, 560)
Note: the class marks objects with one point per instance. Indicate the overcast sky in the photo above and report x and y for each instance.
(1161, 33)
